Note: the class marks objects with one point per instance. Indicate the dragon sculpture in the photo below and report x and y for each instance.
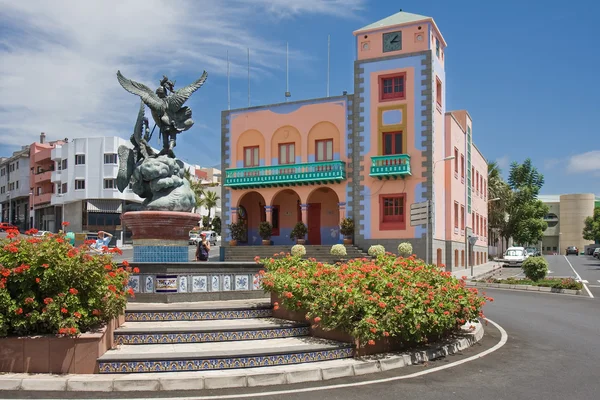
(158, 178)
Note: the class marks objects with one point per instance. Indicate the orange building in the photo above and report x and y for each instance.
(372, 156)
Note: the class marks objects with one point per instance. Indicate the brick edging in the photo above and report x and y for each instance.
(198, 381)
(529, 288)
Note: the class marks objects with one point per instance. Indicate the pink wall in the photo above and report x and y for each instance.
(455, 185)
(408, 185)
(439, 168)
(479, 201)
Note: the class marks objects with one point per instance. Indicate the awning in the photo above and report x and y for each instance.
(104, 206)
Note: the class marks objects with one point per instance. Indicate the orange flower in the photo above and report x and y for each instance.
(136, 270)
(63, 331)
(108, 267)
(112, 288)
(19, 311)
(73, 331)
(73, 291)
(64, 310)
(386, 334)
(77, 314)
(66, 223)
(28, 300)
(371, 342)
(131, 292)
(45, 265)
(317, 319)
(96, 312)
(59, 240)
(48, 300)
(125, 263)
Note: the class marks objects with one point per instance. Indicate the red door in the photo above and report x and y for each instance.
(314, 223)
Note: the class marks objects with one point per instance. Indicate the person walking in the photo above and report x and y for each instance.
(203, 248)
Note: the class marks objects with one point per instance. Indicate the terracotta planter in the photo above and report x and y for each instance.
(57, 355)
(347, 240)
(300, 241)
(233, 243)
(266, 242)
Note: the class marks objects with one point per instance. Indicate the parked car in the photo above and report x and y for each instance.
(41, 233)
(515, 256)
(211, 236)
(193, 237)
(6, 226)
(596, 253)
(572, 250)
(533, 251)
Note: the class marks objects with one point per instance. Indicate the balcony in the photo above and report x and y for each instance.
(41, 199)
(286, 175)
(56, 176)
(394, 166)
(42, 177)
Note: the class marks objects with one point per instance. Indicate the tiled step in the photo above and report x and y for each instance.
(198, 311)
(140, 333)
(225, 355)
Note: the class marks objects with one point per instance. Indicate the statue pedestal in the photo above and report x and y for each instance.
(160, 236)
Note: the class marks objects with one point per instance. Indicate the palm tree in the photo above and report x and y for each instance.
(497, 189)
(210, 201)
(196, 187)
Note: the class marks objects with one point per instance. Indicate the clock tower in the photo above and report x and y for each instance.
(398, 113)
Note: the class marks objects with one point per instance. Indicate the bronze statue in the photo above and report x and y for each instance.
(168, 111)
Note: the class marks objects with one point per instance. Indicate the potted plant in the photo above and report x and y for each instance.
(238, 231)
(376, 250)
(339, 250)
(347, 229)
(299, 232)
(265, 230)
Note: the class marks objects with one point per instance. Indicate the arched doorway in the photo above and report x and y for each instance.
(251, 212)
(323, 217)
(285, 214)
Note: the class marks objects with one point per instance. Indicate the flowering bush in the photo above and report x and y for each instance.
(49, 286)
(400, 298)
(298, 250)
(405, 249)
(338, 250)
(376, 250)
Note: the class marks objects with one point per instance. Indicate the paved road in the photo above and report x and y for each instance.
(588, 269)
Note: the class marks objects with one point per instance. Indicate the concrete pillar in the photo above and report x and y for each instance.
(269, 214)
(304, 210)
(234, 215)
(342, 210)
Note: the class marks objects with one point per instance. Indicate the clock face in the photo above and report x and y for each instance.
(392, 41)
(365, 46)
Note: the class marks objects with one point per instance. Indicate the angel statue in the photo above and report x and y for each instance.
(166, 105)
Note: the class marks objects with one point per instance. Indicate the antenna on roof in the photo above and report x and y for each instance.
(287, 72)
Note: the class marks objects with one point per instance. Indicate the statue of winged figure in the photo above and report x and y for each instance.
(168, 111)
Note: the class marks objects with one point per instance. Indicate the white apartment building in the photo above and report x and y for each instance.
(14, 188)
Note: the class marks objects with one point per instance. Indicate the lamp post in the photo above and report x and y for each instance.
(32, 208)
(448, 158)
(9, 208)
(472, 241)
(490, 229)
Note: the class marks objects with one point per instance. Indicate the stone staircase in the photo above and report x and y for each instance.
(320, 252)
(213, 335)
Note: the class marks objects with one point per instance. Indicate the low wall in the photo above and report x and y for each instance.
(57, 355)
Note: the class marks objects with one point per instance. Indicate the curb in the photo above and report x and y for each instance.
(528, 288)
(487, 273)
(249, 377)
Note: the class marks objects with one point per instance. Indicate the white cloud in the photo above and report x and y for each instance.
(503, 162)
(59, 58)
(584, 162)
(552, 162)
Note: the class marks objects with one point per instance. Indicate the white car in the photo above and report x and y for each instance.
(596, 253)
(515, 256)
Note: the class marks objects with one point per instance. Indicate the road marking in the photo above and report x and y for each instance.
(579, 278)
(502, 342)
(585, 281)
(594, 286)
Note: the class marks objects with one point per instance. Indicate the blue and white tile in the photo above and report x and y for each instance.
(183, 284)
(214, 284)
(226, 282)
(256, 282)
(199, 283)
(134, 283)
(241, 282)
(149, 284)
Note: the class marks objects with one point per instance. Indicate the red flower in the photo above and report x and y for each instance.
(45, 265)
(19, 311)
(37, 280)
(64, 310)
(73, 291)
(371, 342)
(6, 273)
(131, 292)
(77, 314)
(386, 334)
(48, 300)
(72, 253)
(28, 300)
(63, 331)
(318, 319)
(446, 312)
(108, 267)
(136, 270)
(96, 312)
(112, 288)
(112, 274)
(73, 331)
(125, 263)
(381, 304)
(66, 223)
(59, 240)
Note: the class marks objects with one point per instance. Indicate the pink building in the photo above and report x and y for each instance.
(370, 156)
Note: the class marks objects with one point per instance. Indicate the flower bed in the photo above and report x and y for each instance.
(395, 301)
(48, 287)
(556, 283)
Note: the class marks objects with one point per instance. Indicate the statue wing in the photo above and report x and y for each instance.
(177, 99)
(139, 125)
(126, 167)
(139, 89)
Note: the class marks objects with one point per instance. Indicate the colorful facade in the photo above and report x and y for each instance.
(369, 156)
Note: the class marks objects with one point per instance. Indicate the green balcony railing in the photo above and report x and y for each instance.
(390, 166)
(286, 175)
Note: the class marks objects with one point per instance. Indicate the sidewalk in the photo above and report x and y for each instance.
(478, 270)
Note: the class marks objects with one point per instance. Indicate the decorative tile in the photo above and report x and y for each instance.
(134, 283)
(241, 282)
(149, 284)
(202, 337)
(158, 253)
(183, 288)
(166, 283)
(226, 282)
(256, 282)
(200, 283)
(214, 284)
(112, 367)
(142, 316)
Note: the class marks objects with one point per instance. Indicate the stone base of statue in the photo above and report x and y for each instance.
(160, 236)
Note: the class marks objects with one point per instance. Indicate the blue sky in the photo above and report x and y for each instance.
(526, 71)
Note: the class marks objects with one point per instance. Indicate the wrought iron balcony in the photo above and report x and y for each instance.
(394, 166)
(286, 175)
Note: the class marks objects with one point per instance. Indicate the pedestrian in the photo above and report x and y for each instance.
(203, 248)
(102, 242)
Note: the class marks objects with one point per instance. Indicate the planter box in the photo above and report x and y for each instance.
(381, 346)
(57, 355)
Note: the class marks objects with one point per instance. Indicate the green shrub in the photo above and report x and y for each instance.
(376, 250)
(48, 286)
(535, 268)
(400, 298)
(347, 227)
(298, 250)
(299, 231)
(405, 249)
(265, 230)
(216, 222)
(338, 250)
